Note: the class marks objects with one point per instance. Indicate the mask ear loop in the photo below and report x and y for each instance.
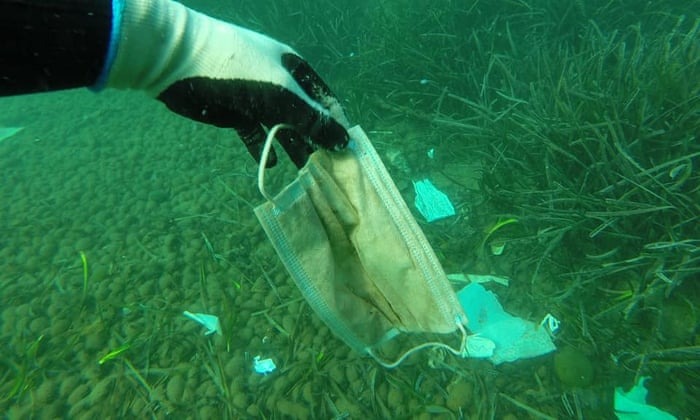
(457, 352)
(263, 159)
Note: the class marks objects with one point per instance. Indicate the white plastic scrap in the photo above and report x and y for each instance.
(479, 347)
(432, 203)
(551, 323)
(632, 405)
(263, 366)
(210, 322)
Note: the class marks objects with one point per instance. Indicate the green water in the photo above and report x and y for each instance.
(578, 119)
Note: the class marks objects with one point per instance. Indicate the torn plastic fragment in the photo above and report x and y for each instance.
(477, 278)
(497, 248)
(632, 405)
(479, 347)
(432, 203)
(514, 338)
(551, 323)
(210, 322)
(263, 366)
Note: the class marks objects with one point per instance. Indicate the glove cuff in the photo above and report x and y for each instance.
(117, 12)
(148, 44)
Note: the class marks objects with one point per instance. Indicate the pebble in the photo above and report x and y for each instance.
(175, 388)
(459, 395)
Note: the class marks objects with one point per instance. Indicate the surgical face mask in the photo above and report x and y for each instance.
(358, 256)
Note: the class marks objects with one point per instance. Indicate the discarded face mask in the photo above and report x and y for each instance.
(357, 254)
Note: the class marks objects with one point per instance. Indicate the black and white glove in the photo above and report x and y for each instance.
(221, 74)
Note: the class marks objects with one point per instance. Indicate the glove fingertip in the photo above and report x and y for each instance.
(253, 138)
(331, 135)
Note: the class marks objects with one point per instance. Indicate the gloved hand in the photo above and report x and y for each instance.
(218, 73)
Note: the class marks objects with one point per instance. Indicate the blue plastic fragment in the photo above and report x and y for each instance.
(263, 366)
(632, 405)
(210, 322)
(514, 338)
(432, 203)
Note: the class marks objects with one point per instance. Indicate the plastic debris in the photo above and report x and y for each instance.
(432, 203)
(632, 405)
(551, 323)
(497, 248)
(477, 278)
(431, 153)
(514, 338)
(210, 322)
(263, 366)
(479, 347)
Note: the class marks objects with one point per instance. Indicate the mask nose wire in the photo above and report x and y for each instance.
(263, 159)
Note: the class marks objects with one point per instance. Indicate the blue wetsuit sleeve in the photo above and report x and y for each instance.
(54, 44)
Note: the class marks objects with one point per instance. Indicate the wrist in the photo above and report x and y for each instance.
(146, 44)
